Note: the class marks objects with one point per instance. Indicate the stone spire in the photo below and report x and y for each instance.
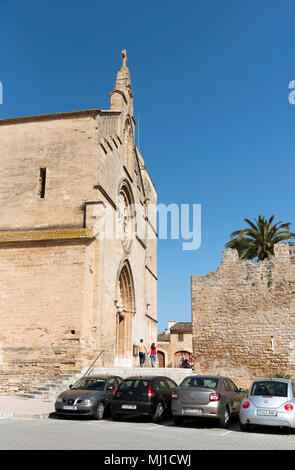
(121, 96)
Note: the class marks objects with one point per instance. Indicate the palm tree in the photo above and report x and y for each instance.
(258, 240)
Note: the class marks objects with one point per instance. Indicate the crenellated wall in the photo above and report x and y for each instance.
(243, 317)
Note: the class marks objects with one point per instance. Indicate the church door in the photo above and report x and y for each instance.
(161, 358)
(125, 310)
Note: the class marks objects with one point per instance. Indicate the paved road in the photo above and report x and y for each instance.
(136, 433)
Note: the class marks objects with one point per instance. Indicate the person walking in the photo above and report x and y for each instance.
(153, 354)
(142, 352)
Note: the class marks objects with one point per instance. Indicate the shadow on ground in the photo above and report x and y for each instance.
(193, 423)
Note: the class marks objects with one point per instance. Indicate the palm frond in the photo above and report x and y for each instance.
(259, 238)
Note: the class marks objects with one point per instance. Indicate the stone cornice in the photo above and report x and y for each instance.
(68, 114)
(45, 235)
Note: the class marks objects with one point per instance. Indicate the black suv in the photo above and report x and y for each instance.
(143, 395)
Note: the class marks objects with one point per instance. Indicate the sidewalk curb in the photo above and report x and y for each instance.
(24, 416)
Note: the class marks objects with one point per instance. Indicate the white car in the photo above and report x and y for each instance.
(270, 402)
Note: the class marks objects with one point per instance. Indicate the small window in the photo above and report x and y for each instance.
(170, 383)
(270, 388)
(112, 383)
(227, 385)
(200, 382)
(162, 384)
(180, 336)
(42, 182)
(233, 386)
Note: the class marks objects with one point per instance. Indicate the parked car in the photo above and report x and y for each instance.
(206, 397)
(145, 395)
(89, 396)
(269, 402)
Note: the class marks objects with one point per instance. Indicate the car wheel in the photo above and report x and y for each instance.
(178, 420)
(99, 411)
(116, 416)
(224, 420)
(159, 413)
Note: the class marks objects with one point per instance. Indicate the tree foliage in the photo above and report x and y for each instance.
(259, 238)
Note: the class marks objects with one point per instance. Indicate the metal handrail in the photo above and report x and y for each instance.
(92, 365)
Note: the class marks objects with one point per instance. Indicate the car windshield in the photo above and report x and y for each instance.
(134, 385)
(269, 388)
(89, 384)
(200, 382)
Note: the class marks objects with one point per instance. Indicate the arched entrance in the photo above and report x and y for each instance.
(177, 357)
(125, 309)
(161, 358)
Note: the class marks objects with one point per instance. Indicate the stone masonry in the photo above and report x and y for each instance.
(68, 293)
(244, 315)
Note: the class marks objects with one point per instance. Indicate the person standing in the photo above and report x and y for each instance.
(153, 354)
(142, 352)
(181, 362)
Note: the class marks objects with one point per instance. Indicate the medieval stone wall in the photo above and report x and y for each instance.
(243, 317)
(41, 302)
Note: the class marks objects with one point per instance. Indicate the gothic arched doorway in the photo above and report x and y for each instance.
(161, 358)
(125, 309)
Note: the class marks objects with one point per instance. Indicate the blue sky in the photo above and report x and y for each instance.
(210, 80)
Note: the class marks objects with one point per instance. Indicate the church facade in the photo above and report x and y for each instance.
(69, 292)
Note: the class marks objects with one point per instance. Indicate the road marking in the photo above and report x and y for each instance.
(224, 433)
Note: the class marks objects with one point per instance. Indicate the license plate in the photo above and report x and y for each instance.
(128, 407)
(266, 413)
(66, 407)
(194, 411)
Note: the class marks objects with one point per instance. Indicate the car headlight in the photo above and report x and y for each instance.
(87, 402)
(59, 400)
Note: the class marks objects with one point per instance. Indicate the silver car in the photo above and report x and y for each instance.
(206, 397)
(269, 402)
(89, 396)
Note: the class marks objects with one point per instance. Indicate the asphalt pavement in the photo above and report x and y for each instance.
(136, 434)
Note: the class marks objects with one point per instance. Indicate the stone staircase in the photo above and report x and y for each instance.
(176, 374)
(54, 386)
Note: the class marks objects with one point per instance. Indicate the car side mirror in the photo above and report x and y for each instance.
(71, 386)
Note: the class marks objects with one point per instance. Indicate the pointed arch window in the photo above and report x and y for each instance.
(126, 216)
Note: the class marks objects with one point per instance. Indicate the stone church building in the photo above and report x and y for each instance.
(68, 292)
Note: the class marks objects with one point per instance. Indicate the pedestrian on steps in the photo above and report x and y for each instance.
(142, 352)
(153, 354)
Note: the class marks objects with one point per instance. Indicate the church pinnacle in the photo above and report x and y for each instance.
(122, 96)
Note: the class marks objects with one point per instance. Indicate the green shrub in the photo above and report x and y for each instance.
(281, 375)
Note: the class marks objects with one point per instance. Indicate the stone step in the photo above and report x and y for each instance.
(52, 386)
(26, 395)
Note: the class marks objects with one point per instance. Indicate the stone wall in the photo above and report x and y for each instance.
(243, 317)
(64, 144)
(41, 302)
